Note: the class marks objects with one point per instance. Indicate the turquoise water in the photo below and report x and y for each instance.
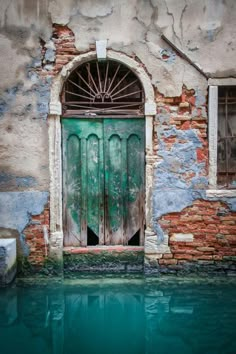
(125, 316)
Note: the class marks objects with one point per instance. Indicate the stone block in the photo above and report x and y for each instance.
(152, 247)
(7, 260)
(182, 237)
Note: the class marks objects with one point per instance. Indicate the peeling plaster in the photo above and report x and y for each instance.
(61, 11)
(166, 201)
(168, 55)
(102, 9)
(134, 20)
(16, 209)
(174, 200)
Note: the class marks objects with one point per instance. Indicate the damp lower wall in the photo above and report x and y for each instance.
(38, 40)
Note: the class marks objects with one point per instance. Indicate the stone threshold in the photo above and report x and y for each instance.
(100, 249)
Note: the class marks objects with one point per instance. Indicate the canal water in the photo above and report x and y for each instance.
(106, 315)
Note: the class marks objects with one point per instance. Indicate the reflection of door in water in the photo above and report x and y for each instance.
(103, 181)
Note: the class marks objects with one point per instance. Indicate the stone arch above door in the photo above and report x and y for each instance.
(55, 163)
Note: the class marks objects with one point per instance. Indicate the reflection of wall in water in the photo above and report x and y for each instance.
(177, 317)
(143, 318)
(104, 317)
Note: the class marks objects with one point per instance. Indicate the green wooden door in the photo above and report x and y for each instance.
(103, 181)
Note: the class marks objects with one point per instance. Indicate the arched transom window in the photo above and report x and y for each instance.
(101, 89)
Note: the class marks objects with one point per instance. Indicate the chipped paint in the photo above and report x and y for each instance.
(168, 55)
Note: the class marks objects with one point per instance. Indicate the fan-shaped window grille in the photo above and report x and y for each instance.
(103, 88)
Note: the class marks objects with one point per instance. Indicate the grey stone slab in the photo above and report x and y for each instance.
(7, 261)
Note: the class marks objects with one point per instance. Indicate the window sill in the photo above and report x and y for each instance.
(216, 193)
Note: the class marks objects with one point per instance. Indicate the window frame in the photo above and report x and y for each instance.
(213, 135)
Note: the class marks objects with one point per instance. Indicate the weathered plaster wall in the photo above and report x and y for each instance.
(16, 212)
(38, 38)
(132, 27)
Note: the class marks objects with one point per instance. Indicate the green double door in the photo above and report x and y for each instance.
(103, 181)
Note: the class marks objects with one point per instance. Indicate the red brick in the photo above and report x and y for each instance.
(185, 125)
(167, 261)
(183, 256)
(204, 257)
(206, 249)
(201, 155)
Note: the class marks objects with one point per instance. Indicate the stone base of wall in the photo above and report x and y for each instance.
(114, 259)
(182, 268)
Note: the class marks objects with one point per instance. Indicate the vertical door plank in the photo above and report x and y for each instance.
(114, 202)
(83, 192)
(124, 181)
(124, 191)
(83, 179)
(102, 193)
(71, 184)
(135, 171)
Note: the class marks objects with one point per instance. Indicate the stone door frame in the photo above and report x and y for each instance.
(55, 149)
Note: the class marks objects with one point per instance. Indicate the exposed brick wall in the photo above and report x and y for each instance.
(213, 228)
(181, 112)
(34, 237)
(64, 40)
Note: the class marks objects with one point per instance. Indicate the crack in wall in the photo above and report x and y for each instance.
(181, 20)
(5, 14)
(173, 22)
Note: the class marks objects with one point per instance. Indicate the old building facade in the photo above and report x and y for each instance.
(118, 132)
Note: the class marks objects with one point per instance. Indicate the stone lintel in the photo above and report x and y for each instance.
(218, 193)
(229, 81)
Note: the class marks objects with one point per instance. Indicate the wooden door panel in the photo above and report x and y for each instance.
(83, 183)
(135, 186)
(113, 190)
(95, 186)
(124, 179)
(72, 177)
(111, 206)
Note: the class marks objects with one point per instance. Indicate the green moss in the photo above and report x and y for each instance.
(103, 261)
(50, 267)
(24, 267)
(76, 263)
(229, 258)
